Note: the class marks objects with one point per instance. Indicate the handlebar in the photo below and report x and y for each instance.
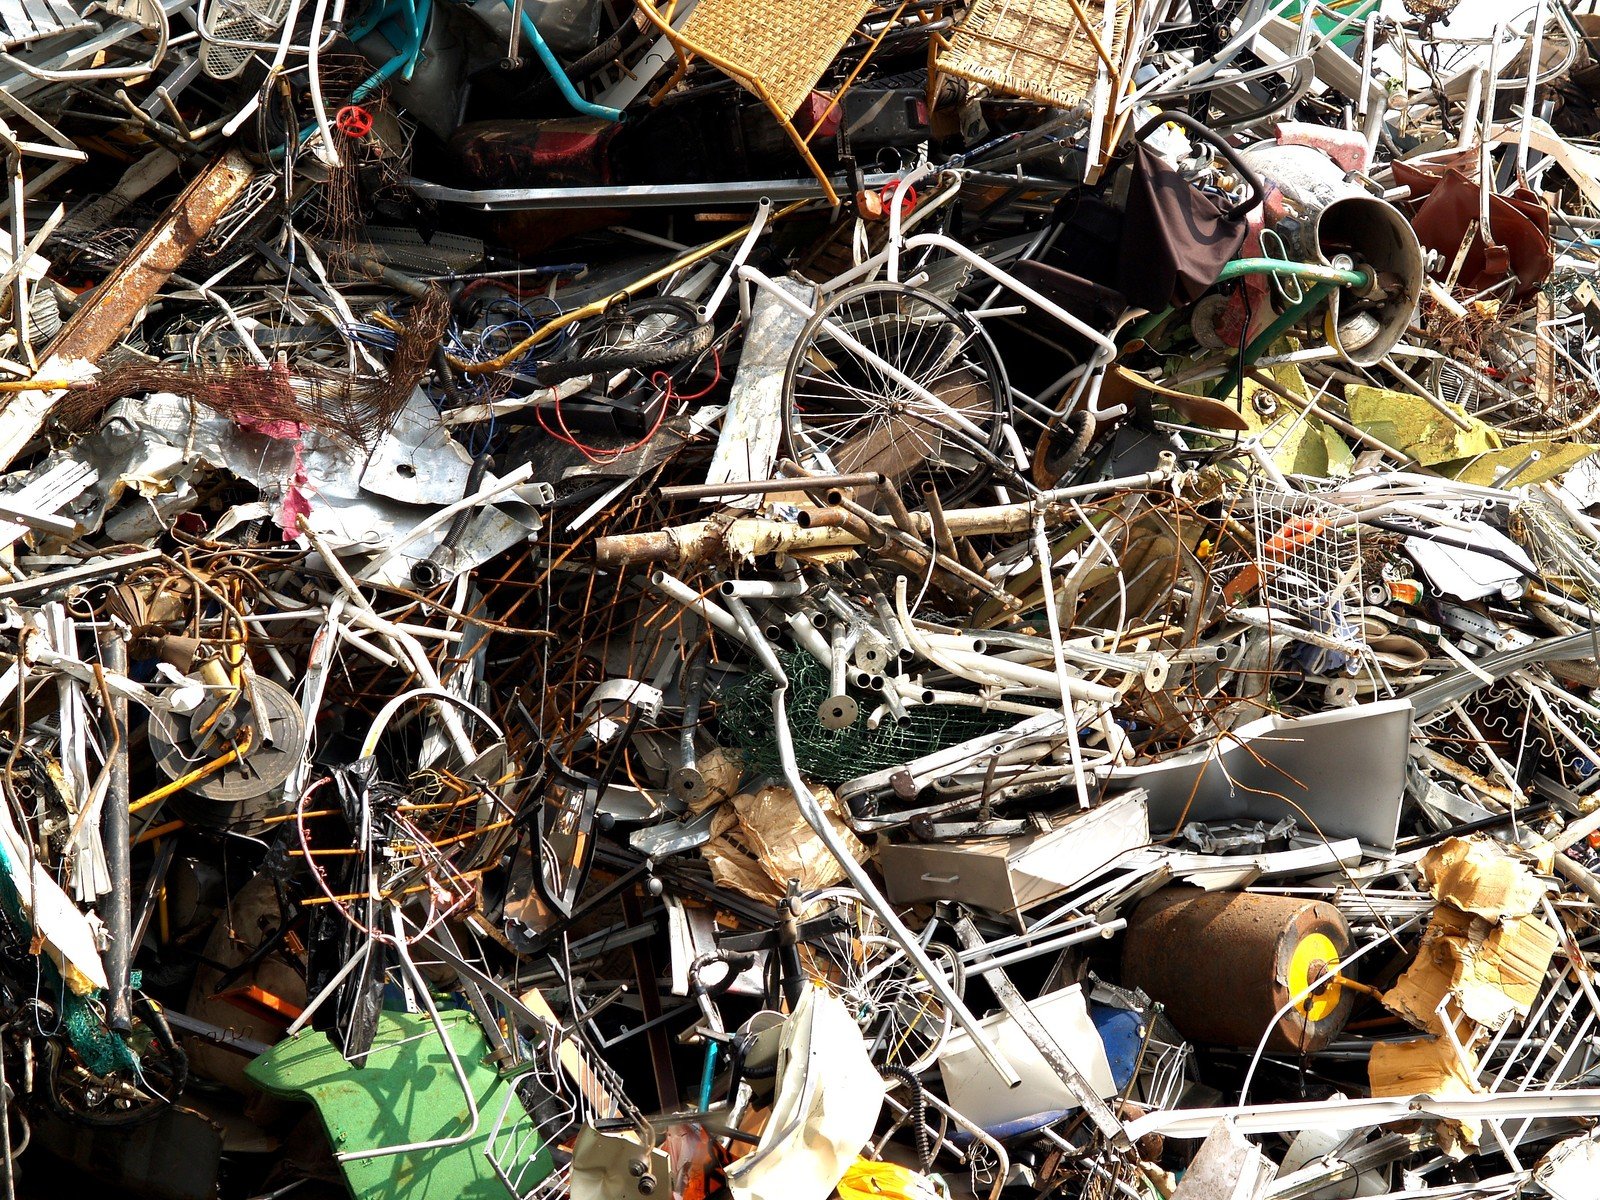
(1228, 153)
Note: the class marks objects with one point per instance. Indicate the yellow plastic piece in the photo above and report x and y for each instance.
(1317, 947)
(867, 1180)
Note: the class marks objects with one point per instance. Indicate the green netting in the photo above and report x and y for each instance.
(102, 1050)
(835, 755)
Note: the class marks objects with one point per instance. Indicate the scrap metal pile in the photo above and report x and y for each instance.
(824, 597)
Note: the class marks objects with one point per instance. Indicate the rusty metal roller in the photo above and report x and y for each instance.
(1223, 963)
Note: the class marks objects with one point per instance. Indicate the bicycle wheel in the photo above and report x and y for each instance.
(658, 332)
(902, 1018)
(889, 379)
(1504, 387)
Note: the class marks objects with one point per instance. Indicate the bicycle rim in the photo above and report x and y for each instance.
(854, 392)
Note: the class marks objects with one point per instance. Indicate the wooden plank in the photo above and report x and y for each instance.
(103, 320)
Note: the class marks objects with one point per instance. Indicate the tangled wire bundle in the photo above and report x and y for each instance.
(355, 408)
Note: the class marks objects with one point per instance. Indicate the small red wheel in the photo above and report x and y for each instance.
(908, 203)
(353, 121)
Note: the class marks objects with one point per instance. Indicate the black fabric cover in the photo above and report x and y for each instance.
(1175, 238)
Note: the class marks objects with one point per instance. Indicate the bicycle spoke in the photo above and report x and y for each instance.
(848, 402)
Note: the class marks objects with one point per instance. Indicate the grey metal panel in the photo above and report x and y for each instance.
(68, 17)
(78, 53)
(18, 27)
(1345, 768)
(44, 20)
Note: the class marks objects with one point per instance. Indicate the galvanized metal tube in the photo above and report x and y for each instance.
(838, 710)
(118, 909)
(676, 589)
(763, 589)
(975, 959)
(807, 638)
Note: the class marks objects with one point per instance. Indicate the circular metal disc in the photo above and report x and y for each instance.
(272, 754)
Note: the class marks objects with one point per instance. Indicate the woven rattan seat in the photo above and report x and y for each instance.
(784, 45)
(1036, 49)
(777, 49)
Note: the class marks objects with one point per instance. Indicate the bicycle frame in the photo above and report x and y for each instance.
(1088, 377)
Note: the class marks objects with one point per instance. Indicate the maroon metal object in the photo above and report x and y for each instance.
(563, 152)
(1519, 229)
(1221, 964)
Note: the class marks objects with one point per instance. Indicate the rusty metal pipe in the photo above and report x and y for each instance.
(107, 313)
(760, 487)
(711, 540)
(940, 528)
(945, 563)
(898, 512)
(836, 516)
(868, 528)
(871, 535)
(754, 535)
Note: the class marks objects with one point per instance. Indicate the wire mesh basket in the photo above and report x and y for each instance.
(93, 248)
(1308, 559)
(229, 22)
(522, 1153)
(1458, 386)
(1164, 1056)
(562, 1088)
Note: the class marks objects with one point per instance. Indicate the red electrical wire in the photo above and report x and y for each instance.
(669, 397)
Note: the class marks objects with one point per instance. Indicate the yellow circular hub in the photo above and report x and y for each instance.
(1314, 958)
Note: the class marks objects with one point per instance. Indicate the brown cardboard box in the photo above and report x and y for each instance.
(1491, 970)
(1481, 877)
(1429, 1066)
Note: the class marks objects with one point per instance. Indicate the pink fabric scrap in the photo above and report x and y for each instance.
(294, 502)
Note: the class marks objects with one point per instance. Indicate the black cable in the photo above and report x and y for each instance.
(1445, 540)
(156, 1020)
(918, 1111)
